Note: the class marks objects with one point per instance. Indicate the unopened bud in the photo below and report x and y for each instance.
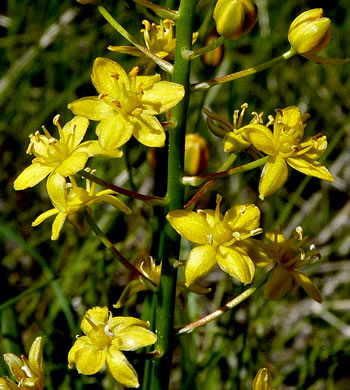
(263, 380)
(234, 18)
(196, 154)
(310, 32)
(214, 57)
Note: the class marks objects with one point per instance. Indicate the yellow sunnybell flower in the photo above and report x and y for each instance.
(105, 339)
(29, 373)
(159, 39)
(263, 380)
(127, 105)
(77, 200)
(289, 258)
(58, 159)
(285, 146)
(152, 271)
(219, 239)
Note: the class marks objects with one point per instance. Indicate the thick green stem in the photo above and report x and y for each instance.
(166, 296)
(243, 73)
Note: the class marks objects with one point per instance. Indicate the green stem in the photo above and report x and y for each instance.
(198, 180)
(165, 65)
(228, 306)
(243, 73)
(105, 241)
(121, 190)
(161, 11)
(196, 53)
(166, 295)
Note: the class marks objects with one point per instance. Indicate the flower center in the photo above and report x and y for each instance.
(222, 233)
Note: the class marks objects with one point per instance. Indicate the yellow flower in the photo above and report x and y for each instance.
(159, 39)
(29, 373)
(219, 239)
(105, 339)
(285, 145)
(127, 105)
(152, 271)
(59, 158)
(289, 257)
(77, 200)
(263, 380)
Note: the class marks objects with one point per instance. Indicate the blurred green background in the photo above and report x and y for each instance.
(47, 50)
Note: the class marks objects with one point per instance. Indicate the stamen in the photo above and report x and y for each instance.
(236, 235)
(299, 231)
(108, 332)
(37, 136)
(242, 209)
(115, 76)
(210, 238)
(116, 103)
(136, 111)
(217, 208)
(256, 231)
(46, 132)
(102, 95)
(27, 371)
(244, 106)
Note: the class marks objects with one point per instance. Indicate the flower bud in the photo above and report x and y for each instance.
(263, 380)
(234, 17)
(196, 154)
(214, 57)
(309, 32)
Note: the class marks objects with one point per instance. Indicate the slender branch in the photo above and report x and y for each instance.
(132, 194)
(196, 53)
(165, 65)
(243, 73)
(161, 11)
(228, 306)
(198, 180)
(99, 233)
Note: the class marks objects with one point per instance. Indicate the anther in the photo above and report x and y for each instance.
(242, 209)
(108, 332)
(56, 119)
(102, 95)
(299, 231)
(115, 76)
(27, 371)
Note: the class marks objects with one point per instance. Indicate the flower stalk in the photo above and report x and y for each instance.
(175, 192)
(243, 73)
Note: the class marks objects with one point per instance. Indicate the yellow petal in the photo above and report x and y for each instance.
(200, 262)
(134, 337)
(132, 50)
(97, 314)
(310, 288)
(190, 225)
(273, 176)
(93, 148)
(236, 263)
(114, 131)
(148, 130)
(31, 176)
(279, 283)
(104, 73)
(128, 296)
(310, 167)
(56, 188)
(15, 364)
(35, 357)
(75, 130)
(47, 214)
(162, 96)
(88, 358)
(7, 384)
(72, 164)
(243, 218)
(91, 107)
(146, 82)
(57, 225)
(120, 368)
(116, 324)
(261, 137)
(112, 200)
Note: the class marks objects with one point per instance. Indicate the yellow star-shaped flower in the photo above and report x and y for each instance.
(79, 199)
(218, 238)
(289, 257)
(285, 145)
(127, 105)
(105, 339)
(29, 373)
(58, 159)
